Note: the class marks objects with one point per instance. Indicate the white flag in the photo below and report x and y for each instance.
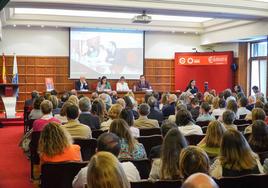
(15, 79)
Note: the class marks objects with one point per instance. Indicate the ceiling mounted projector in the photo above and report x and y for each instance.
(143, 19)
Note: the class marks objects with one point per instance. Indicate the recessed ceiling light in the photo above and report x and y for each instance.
(28, 25)
(14, 25)
(184, 32)
(42, 26)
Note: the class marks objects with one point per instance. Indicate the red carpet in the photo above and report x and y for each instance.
(14, 167)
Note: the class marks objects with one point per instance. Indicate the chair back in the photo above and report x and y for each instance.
(142, 165)
(97, 133)
(150, 131)
(60, 175)
(242, 127)
(34, 155)
(28, 125)
(34, 147)
(202, 123)
(242, 116)
(194, 139)
(263, 156)
(247, 181)
(204, 129)
(88, 147)
(242, 121)
(157, 184)
(150, 141)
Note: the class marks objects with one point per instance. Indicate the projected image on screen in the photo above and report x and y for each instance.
(113, 53)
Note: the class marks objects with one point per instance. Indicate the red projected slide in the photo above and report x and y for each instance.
(211, 67)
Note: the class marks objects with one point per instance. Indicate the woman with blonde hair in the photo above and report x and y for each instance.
(232, 105)
(236, 157)
(192, 160)
(167, 167)
(55, 145)
(208, 98)
(74, 100)
(130, 147)
(105, 171)
(113, 113)
(212, 141)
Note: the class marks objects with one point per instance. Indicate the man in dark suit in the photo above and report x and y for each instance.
(166, 126)
(170, 108)
(81, 84)
(85, 116)
(154, 112)
(143, 84)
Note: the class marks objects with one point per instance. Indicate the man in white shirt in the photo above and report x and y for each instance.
(108, 142)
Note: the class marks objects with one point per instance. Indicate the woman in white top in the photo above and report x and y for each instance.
(122, 85)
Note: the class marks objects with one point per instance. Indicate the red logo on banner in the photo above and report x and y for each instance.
(201, 60)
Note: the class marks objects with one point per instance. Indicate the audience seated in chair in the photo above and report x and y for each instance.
(127, 115)
(179, 106)
(228, 118)
(105, 171)
(55, 103)
(169, 109)
(154, 112)
(98, 109)
(73, 126)
(236, 157)
(204, 113)
(199, 180)
(219, 111)
(36, 112)
(167, 167)
(46, 109)
(194, 108)
(85, 116)
(242, 110)
(166, 126)
(55, 145)
(143, 121)
(257, 114)
(258, 139)
(130, 147)
(29, 102)
(185, 123)
(232, 105)
(193, 160)
(211, 143)
(113, 113)
(108, 142)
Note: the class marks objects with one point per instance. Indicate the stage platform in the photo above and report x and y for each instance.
(17, 121)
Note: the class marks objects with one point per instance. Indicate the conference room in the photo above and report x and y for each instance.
(150, 60)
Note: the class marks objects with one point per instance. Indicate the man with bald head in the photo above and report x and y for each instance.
(81, 84)
(170, 108)
(199, 180)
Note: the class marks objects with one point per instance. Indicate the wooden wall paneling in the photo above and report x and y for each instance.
(242, 71)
